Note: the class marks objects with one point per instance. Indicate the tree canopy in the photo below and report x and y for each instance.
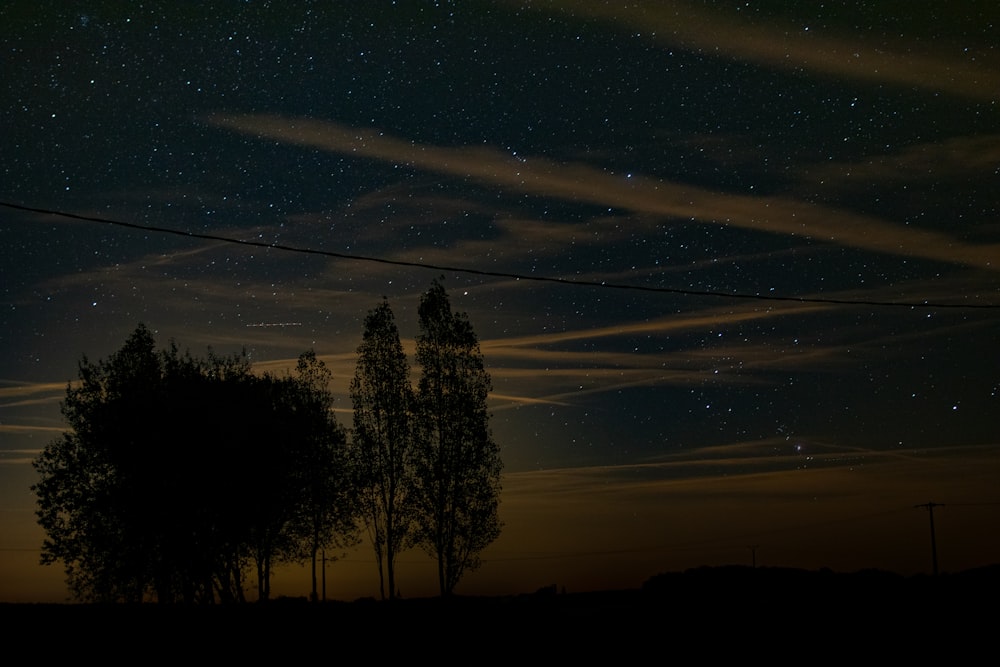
(382, 440)
(179, 474)
(426, 465)
(457, 466)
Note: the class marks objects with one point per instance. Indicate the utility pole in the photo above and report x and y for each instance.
(930, 512)
(753, 552)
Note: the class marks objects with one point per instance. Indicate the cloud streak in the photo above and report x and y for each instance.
(796, 47)
(676, 513)
(583, 183)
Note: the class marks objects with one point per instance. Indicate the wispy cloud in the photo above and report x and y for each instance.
(804, 46)
(23, 429)
(773, 459)
(31, 394)
(952, 160)
(583, 183)
(803, 507)
(18, 456)
(22, 390)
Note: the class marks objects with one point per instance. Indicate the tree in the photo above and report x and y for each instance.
(457, 466)
(382, 439)
(327, 508)
(177, 472)
(90, 485)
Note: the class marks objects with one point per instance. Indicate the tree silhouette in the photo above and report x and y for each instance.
(327, 508)
(179, 472)
(179, 475)
(457, 466)
(90, 484)
(382, 439)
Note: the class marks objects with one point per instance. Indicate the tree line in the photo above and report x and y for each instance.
(181, 477)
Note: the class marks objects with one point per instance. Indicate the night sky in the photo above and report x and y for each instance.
(734, 266)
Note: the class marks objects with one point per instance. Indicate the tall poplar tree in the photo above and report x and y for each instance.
(457, 466)
(382, 398)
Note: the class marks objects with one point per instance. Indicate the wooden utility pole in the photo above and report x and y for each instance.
(930, 512)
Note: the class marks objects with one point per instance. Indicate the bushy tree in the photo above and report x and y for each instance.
(91, 481)
(456, 479)
(178, 472)
(382, 439)
(327, 508)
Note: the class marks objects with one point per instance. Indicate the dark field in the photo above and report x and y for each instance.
(699, 615)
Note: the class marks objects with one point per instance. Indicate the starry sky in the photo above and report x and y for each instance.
(734, 266)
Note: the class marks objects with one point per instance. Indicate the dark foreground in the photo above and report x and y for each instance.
(737, 612)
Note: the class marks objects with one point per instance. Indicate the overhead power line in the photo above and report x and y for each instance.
(501, 274)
